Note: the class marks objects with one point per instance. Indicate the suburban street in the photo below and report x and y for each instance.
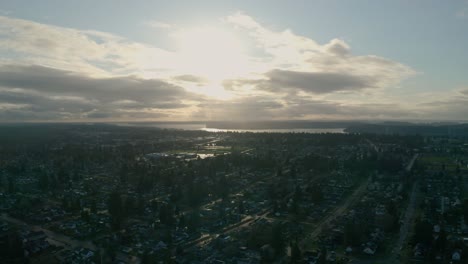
(353, 198)
(66, 241)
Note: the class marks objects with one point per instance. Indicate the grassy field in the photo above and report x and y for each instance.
(431, 159)
(436, 161)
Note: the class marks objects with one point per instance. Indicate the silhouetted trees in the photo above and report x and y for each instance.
(115, 210)
(423, 232)
(295, 252)
(277, 239)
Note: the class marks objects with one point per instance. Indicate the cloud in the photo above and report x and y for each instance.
(57, 73)
(86, 51)
(462, 14)
(316, 82)
(299, 63)
(312, 82)
(5, 12)
(455, 108)
(158, 24)
(338, 47)
(191, 78)
(40, 89)
(249, 108)
(299, 107)
(294, 107)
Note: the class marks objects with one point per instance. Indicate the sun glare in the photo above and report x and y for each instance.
(212, 53)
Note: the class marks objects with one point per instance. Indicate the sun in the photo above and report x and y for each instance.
(212, 53)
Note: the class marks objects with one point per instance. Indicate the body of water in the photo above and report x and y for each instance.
(199, 126)
(279, 130)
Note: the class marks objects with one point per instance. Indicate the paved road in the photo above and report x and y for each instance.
(406, 227)
(66, 241)
(408, 219)
(373, 145)
(407, 222)
(351, 200)
(53, 237)
(411, 163)
(246, 221)
(394, 257)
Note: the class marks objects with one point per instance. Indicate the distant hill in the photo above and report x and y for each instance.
(434, 129)
(384, 127)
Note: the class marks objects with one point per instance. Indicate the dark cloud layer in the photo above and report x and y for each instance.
(314, 82)
(310, 82)
(42, 89)
(247, 108)
(41, 93)
(190, 78)
(292, 74)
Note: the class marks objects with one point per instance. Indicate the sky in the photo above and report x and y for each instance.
(233, 60)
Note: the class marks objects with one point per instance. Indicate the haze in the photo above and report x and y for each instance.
(268, 60)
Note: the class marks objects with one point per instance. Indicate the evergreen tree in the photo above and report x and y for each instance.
(295, 253)
(115, 210)
(277, 240)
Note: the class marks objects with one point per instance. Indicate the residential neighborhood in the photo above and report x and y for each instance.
(114, 194)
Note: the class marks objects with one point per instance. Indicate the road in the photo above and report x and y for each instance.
(376, 149)
(408, 219)
(351, 200)
(411, 163)
(66, 241)
(244, 222)
(406, 227)
(407, 223)
(52, 237)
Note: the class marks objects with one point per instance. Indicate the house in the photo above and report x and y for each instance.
(418, 250)
(369, 251)
(267, 252)
(456, 256)
(370, 248)
(161, 245)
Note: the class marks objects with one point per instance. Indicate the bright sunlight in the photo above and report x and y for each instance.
(214, 54)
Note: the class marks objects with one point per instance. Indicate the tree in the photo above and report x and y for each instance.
(85, 216)
(129, 205)
(43, 181)
(295, 253)
(194, 221)
(292, 172)
(352, 234)
(465, 209)
(11, 185)
(93, 206)
(241, 208)
(317, 195)
(166, 214)
(145, 258)
(423, 232)
(323, 256)
(115, 210)
(14, 248)
(441, 242)
(279, 172)
(277, 240)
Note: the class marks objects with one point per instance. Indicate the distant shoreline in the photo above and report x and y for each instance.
(451, 129)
